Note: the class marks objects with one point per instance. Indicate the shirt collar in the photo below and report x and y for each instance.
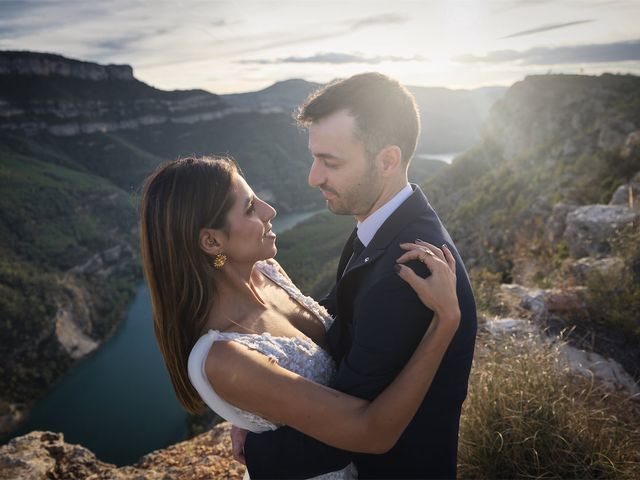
(368, 228)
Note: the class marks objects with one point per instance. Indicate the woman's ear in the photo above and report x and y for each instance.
(211, 241)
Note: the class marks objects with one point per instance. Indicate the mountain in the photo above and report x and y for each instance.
(285, 95)
(452, 120)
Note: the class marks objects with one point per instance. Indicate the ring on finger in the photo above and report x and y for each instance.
(427, 251)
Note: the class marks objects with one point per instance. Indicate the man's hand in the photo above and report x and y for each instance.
(238, 436)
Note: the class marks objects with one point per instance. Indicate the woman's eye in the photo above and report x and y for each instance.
(251, 208)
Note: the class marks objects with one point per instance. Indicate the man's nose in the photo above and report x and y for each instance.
(315, 175)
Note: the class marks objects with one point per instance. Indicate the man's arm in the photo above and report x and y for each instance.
(391, 321)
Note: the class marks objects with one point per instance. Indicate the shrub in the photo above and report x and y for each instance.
(525, 417)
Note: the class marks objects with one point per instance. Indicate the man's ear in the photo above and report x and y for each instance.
(211, 241)
(390, 160)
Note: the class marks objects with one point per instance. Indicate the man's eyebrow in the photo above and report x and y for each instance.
(327, 156)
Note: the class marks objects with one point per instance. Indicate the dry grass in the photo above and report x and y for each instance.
(526, 417)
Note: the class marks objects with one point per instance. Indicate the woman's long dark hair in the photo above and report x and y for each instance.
(179, 199)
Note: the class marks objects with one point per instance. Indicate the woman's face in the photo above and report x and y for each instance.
(249, 236)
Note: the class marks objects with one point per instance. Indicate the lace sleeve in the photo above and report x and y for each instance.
(273, 270)
(280, 270)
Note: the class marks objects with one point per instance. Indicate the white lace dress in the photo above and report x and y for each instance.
(295, 354)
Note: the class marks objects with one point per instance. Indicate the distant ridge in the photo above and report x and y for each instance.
(45, 64)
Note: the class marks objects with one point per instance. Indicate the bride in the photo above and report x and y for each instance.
(238, 336)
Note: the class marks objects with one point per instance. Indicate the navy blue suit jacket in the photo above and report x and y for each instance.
(379, 323)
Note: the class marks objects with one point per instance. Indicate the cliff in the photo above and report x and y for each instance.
(551, 139)
(46, 64)
(45, 455)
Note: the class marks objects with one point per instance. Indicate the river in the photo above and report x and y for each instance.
(119, 402)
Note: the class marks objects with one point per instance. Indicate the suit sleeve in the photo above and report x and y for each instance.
(389, 322)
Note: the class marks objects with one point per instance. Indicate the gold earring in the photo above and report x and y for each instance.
(219, 260)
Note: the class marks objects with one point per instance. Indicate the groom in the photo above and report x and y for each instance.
(362, 135)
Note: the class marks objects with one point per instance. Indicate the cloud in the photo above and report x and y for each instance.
(599, 53)
(545, 28)
(375, 20)
(335, 58)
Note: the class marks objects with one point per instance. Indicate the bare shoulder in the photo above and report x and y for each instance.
(231, 358)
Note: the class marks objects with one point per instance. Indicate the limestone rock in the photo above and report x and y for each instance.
(631, 147)
(590, 227)
(557, 221)
(45, 455)
(567, 302)
(583, 267)
(531, 299)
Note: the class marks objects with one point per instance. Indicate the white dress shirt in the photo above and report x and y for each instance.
(368, 228)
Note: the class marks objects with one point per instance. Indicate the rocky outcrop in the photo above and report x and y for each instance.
(574, 114)
(557, 221)
(46, 64)
(45, 455)
(590, 228)
(65, 97)
(582, 269)
(568, 302)
(608, 373)
(627, 193)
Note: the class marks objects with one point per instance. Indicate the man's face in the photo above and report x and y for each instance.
(349, 181)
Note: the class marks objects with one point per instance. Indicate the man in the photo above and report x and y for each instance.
(362, 135)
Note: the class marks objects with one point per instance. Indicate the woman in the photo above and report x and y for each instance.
(237, 334)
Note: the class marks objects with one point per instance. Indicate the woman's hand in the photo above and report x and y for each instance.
(437, 291)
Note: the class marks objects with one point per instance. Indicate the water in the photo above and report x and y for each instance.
(445, 157)
(119, 402)
(286, 221)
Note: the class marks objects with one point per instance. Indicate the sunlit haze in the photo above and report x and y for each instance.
(236, 46)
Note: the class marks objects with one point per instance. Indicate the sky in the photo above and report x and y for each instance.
(233, 46)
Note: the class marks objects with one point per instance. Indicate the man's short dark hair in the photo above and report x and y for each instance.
(385, 112)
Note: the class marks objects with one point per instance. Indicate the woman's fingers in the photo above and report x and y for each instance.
(421, 253)
(437, 250)
(409, 276)
(451, 260)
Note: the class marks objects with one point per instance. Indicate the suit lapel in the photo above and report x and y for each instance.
(412, 207)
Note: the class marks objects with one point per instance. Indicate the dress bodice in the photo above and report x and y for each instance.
(298, 355)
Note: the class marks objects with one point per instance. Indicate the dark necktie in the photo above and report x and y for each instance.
(358, 247)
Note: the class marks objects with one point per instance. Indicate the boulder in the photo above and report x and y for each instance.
(590, 228)
(583, 267)
(569, 302)
(557, 221)
(45, 455)
(631, 147)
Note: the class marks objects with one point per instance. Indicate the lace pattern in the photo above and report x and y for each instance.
(271, 270)
(295, 354)
(298, 355)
